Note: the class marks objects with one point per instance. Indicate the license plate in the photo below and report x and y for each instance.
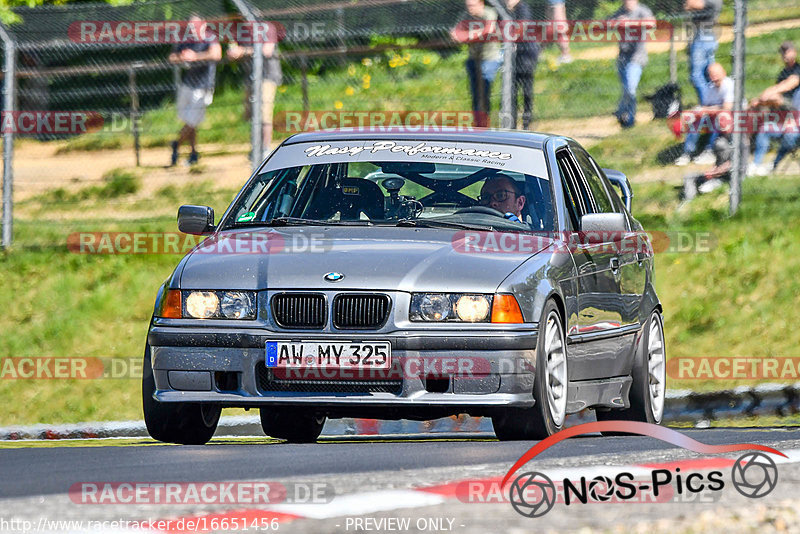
(324, 354)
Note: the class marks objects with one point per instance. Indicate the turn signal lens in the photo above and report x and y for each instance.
(505, 309)
(171, 305)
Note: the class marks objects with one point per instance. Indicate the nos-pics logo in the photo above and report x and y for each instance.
(533, 494)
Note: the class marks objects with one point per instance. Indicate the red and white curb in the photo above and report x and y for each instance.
(359, 504)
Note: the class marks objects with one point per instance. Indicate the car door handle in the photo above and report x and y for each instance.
(614, 262)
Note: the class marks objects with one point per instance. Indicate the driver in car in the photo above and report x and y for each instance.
(502, 193)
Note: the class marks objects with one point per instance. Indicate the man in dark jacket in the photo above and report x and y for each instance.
(525, 60)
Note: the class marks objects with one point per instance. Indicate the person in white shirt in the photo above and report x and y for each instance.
(718, 95)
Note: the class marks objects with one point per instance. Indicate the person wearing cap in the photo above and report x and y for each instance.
(502, 193)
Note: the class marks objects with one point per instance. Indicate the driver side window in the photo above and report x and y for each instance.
(593, 181)
(573, 198)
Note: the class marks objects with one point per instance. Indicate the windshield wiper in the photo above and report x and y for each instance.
(297, 221)
(428, 223)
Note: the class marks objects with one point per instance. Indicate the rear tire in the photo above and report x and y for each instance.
(182, 423)
(294, 426)
(649, 378)
(547, 415)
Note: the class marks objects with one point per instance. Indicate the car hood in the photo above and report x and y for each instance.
(375, 258)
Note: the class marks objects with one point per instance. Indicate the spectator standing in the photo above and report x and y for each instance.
(196, 90)
(557, 11)
(631, 61)
(719, 97)
(271, 79)
(484, 57)
(525, 61)
(703, 15)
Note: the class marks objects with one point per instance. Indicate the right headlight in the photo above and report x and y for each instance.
(219, 304)
(465, 308)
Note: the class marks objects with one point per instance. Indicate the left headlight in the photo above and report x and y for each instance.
(220, 304)
(442, 307)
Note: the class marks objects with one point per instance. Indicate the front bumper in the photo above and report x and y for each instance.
(438, 371)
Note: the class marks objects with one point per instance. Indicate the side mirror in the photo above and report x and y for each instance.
(620, 180)
(604, 222)
(197, 220)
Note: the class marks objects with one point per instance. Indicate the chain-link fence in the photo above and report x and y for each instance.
(118, 89)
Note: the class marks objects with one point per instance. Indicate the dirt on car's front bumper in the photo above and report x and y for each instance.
(445, 370)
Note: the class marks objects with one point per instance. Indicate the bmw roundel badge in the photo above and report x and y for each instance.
(333, 277)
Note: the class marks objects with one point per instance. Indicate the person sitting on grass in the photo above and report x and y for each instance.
(788, 132)
(717, 176)
(719, 97)
(780, 96)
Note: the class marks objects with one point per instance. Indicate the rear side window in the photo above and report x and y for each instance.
(594, 182)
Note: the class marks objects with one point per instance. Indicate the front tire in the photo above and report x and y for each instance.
(182, 423)
(547, 415)
(291, 425)
(649, 378)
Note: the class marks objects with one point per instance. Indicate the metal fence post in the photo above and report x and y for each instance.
(673, 57)
(506, 120)
(256, 128)
(8, 136)
(134, 111)
(256, 141)
(507, 91)
(304, 84)
(738, 170)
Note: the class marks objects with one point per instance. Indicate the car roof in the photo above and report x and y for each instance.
(477, 135)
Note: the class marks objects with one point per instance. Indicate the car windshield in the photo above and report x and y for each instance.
(392, 193)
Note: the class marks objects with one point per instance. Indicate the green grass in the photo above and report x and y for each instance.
(116, 183)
